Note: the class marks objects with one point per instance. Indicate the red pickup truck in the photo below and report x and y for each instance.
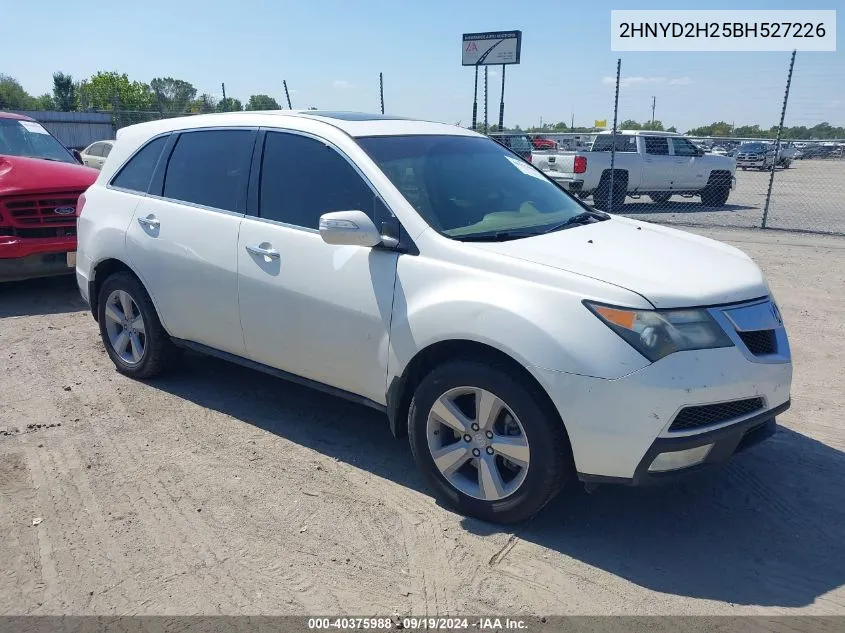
(40, 185)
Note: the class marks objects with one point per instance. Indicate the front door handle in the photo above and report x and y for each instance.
(150, 222)
(261, 251)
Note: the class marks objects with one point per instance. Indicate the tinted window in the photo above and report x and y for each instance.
(95, 150)
(605, 142)
(210, 168)
(683, 147)
(656, 145)
(106, 149)
(138, 172)
(302, 178)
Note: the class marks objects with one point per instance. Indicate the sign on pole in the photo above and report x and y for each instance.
(493, 48)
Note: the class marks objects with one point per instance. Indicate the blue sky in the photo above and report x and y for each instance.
(331, 51)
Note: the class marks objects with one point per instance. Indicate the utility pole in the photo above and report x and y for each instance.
(381, 90)
(653, 104)
(486, 128)
(502, 102)
(225, 105)
(475, 102)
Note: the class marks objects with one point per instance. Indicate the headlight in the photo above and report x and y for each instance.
(658, 333)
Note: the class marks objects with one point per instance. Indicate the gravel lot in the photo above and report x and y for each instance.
(808, 196)
(221, 490)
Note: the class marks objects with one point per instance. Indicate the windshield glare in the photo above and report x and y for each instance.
(466, 185)
(30, 139)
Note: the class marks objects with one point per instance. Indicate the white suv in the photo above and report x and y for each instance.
(520, 339)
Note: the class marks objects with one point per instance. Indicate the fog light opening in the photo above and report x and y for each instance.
(675, 460)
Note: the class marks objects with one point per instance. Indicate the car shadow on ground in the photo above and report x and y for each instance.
(635, 208)
(767, 529)
(47, 295)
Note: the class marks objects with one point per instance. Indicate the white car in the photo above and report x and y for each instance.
(96, 153)
(520, 339)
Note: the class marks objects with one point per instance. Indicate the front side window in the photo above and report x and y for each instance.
(466, 186)
(210, 168)
(138, 172)
(683, 147)
(303, 178)
(29, 139)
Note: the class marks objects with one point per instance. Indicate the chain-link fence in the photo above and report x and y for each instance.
(785, 176)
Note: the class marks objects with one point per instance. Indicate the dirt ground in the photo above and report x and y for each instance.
(218, 490)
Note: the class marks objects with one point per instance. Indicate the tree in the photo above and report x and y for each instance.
(630, 125)
(172, 95)
(654, 126)
(111, 90)
(64, 92)
(672, 129)
(13, 96)
(205, 103)
(229, 105)
(262, 102)
(44, 102)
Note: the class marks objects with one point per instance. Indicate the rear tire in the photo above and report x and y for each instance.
(660, 198)
(130, 328)
(601, 196)
(473, 476)
(715, 195)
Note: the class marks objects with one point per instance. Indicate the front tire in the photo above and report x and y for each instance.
(715, 195)
(130, 328)
(660, 198)
(486, 443)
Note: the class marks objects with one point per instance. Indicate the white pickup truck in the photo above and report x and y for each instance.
(656, 164)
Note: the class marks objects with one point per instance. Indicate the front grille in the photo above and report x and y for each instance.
(760, 342)
(31, 211)
(710, 414)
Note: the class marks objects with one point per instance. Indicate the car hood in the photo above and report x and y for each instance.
(669, 268)
(35, 175)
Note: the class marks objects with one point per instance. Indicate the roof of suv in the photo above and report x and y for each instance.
(13, 115)
(354, 124)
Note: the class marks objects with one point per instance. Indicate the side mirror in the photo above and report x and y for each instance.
(699, 152)
(77, 155)
(349, 228)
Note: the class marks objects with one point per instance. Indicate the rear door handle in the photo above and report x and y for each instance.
(259, 250)
(150, 222)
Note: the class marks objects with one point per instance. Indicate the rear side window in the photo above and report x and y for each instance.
(656, 145)
(106, 149)
(303, 178)
(138, 172)
(211, 168)
(623, 142)
(95, 150)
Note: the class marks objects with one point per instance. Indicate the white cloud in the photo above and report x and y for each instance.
(342, 84)
(640, 80)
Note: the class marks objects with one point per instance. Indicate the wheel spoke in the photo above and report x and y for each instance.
(112, 314)
(138, 324)
(121, 342)
(126, 304)
(514, 447)
(487, 408)
(448, 412)
(137, 348)
(451, 458)
(489, 480)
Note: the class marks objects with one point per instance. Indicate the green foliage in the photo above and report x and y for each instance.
(64, 93)
(111, 91)
(173, 96)
(262, 102)
(229, 105)
(14, 97)
(630, 125)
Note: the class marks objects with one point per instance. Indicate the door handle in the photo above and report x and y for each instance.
(271, 252)
(150, 222)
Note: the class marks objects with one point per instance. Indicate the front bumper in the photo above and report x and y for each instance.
(36, 265)
(617, 426)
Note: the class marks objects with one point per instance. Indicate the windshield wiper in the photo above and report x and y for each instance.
(585, 217)
(498, 236)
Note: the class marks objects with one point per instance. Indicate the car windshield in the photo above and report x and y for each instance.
(752, 147)
(30, 139)
(466, 186)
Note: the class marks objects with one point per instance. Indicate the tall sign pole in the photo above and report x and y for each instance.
(502, 102)
(287, 94)
(381, 90)
(475, 101)
(486, 128)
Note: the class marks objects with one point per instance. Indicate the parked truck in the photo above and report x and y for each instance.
(654, 164)
(40, 184)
